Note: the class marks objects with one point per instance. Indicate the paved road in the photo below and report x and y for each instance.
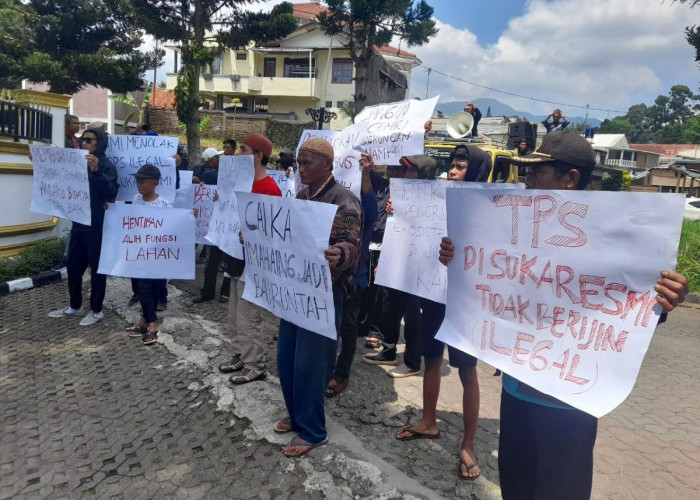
(89, 412)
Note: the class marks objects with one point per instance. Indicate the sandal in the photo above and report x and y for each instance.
(283, 426)
(297, 441)
(335, 387)
(150, 338)
(468, 467)
(137, 331)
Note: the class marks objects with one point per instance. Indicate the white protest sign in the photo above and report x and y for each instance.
(556, 288)
(285, 267)
(286, 184)
(60, 184)
(236, 173)
(411, 245)
(203, 203)
(129, 152)
(184, 196)
(386, 131)
(147, 242)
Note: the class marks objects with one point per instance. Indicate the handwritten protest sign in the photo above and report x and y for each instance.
(386, 131)
(129, 152)
(285, 269)
(411, 244)
(556, 288)
(286, 184)
(147, 242)
(203, 202)
(60, 184)
(236, 173)
(184, 196)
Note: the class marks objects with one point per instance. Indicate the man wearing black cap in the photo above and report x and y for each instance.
(546, 446)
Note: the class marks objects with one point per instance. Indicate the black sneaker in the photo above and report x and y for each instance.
(383, 357)
(60, 265)
(232, 366)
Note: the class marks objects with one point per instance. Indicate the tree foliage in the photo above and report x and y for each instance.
(140, 108)
(671, 119)
(71, 44)
(202, 28)
(373, 23)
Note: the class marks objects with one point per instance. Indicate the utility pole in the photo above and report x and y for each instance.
(427, 84)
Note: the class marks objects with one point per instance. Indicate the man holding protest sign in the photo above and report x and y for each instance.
(546, 445)
(86, 241)
(305, 360)
(245, 321)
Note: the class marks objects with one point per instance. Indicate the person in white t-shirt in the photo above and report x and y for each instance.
(147, 179)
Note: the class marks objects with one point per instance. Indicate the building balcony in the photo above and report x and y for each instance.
(620, 163)
(253, 85)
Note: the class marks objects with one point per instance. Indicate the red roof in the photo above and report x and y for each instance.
(162, 98)
(663, 149)
(308, 10)
(386, 49)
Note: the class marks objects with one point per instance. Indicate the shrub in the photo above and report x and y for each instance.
(286, 134)
(33, 260)
(618, 180)
(689, 254)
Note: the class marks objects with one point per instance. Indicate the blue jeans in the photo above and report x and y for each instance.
(305, 362)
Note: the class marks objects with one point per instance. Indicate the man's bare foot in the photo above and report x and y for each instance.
(418, 431)
(468, 466)
(298, 447)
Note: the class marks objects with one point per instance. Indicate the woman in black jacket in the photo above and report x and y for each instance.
(86, 241)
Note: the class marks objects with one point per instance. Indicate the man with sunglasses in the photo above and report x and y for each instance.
(86, 241)
(546, 446)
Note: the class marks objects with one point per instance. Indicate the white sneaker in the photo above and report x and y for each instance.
(91, 318)
(64, 313)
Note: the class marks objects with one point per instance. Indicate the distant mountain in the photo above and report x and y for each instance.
(500, 109)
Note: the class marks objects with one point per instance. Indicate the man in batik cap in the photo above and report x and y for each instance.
(305, 360)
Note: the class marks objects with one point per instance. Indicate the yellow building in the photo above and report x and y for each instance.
(306, 69)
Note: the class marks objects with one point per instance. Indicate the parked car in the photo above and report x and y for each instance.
(692, 209)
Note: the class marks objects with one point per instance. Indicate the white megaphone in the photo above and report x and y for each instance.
(460, 125)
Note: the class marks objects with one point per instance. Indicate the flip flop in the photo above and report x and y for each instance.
(297, 441)
(286, 421)
(414, 434)
(468, 467)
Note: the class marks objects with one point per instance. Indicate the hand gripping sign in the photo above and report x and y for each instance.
(556, 288)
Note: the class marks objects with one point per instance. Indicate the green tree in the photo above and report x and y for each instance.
(71, 44)
(617, 126)
(203, 28)
(368, 24)
(691, 131)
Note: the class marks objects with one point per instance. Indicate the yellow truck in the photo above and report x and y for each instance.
(501, 168)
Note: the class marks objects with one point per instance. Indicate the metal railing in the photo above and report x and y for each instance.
(621, 163)
(22, 122)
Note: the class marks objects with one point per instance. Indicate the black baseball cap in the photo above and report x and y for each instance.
(566, 147)
(148, 171)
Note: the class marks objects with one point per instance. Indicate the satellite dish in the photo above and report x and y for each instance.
(460, 125)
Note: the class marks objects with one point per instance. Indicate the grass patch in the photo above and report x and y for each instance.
(689, 254)
(33, 260)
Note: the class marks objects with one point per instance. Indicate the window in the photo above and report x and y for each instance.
(261, 104)
(339, 104)
(241, 56)
(215, 65)
(342, 71)
(270, 67)
(329, 104)
(299, 68)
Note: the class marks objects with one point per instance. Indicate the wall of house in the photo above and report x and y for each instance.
(222, 124)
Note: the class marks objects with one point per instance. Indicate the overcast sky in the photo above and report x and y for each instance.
(609, 54)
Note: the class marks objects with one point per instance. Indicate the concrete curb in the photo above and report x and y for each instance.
(43, 278)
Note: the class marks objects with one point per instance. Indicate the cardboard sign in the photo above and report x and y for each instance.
(286, 184)
(411, 244)
(129, 152)
(60, 185)
(147, 242)
(203, 201)
(556, 288)
(236, 173)
(285, 270)
(386, 131)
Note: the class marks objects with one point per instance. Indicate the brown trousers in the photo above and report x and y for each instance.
(246, 328)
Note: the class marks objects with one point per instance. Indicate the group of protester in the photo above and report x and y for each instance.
(546, 446)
